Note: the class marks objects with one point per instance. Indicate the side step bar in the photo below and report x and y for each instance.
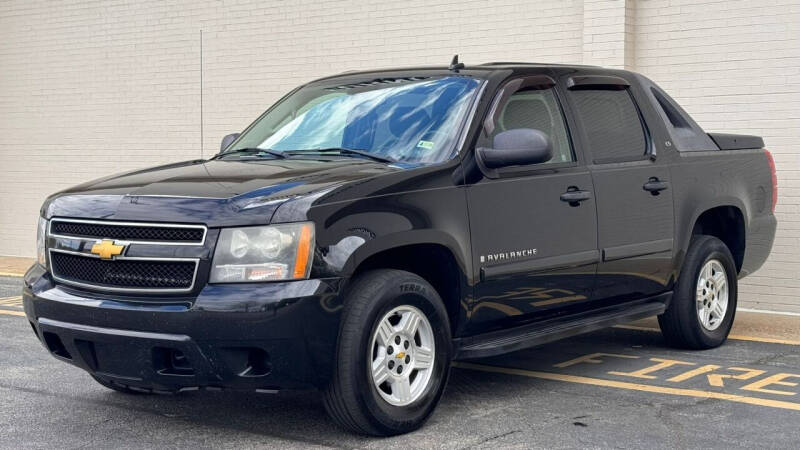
(530, 335)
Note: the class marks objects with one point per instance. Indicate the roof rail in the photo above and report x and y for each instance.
(508, 63)
(522, 63)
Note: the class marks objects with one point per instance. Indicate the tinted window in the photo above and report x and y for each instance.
(674, 116)
(613, 128)
(685, 133)
(539, 110)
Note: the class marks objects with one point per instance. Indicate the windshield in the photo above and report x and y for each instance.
(413, 120)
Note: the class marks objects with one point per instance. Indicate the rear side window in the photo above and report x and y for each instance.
(685, 133)
(614, 130)
(675, 118)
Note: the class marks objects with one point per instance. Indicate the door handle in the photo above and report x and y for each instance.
(574, 196)
(654, 185)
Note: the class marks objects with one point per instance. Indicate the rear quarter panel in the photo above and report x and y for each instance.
(740, 178)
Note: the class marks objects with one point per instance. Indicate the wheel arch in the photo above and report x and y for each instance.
(727, 223)
(434, 260)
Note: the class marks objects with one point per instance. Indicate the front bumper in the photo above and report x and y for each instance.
(267, 336)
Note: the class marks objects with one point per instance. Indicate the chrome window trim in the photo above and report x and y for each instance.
(98, 287)
(128, 224)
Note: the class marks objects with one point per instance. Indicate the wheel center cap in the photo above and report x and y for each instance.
(401, 355)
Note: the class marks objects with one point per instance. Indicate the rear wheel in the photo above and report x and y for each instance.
(704, 301)
(393, 355)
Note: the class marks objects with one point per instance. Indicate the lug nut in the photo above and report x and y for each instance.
(397, 340)
(405, 344)
(399, 369)
(408, 359)
(389, 350)
(391, 364)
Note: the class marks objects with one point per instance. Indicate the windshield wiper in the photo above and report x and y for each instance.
(254, 150)
(345, 152)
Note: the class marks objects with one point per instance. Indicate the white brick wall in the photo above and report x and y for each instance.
(606, 32)
(735, 67)
(92, 87)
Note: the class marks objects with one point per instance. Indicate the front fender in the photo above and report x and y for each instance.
(348, 233)
(403, 239)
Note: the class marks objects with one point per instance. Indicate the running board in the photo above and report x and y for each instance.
(538, 333)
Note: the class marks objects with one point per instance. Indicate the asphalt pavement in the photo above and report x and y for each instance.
(10, 286)
(620, 388)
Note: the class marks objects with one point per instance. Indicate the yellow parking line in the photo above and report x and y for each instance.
(11, 301)
(631, 386)
(11, 313)
(763, 339)
(12, 274)
(737, 337)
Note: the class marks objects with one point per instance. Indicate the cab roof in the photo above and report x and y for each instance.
(484, 70)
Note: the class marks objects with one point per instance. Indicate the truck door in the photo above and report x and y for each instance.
(533, 227)
(632, 190)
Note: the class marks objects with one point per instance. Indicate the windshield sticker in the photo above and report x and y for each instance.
(427, 145)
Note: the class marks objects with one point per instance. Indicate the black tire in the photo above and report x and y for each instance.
(351, 398)
(118, 387)
(680, 324)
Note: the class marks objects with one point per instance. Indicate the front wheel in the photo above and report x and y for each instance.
(393, 354)
(703, 305)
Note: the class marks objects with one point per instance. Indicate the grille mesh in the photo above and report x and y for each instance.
(127, 232)
(123, 273)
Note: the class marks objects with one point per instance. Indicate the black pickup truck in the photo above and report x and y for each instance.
(371, 227)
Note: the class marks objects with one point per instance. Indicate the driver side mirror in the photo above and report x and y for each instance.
(228, 140)
(517, 147)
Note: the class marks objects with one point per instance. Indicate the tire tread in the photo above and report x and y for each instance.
(678, 323)
(339, 395)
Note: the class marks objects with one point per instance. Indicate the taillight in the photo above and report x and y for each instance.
(774, 179)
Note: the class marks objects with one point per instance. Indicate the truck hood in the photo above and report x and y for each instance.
(214, 192)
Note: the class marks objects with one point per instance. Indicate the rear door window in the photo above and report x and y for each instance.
(612, 126)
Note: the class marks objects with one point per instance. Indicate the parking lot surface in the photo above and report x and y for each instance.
(620, 387)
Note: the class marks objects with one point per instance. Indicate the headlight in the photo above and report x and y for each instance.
(268, 253)
(41, 237)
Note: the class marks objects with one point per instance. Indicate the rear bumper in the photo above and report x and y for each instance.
(268, 336)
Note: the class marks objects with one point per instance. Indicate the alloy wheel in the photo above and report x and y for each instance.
(712, 295)
(401, 355)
